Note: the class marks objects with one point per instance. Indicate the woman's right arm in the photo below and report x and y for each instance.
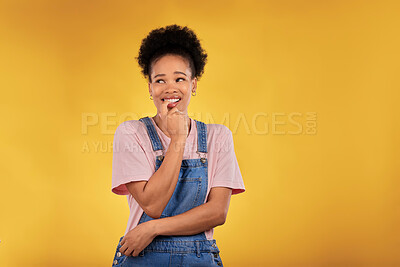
(153, 195)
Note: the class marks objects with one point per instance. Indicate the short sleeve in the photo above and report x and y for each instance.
(129, 162)
(227, 172)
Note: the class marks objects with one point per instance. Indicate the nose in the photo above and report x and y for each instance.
(171, 89)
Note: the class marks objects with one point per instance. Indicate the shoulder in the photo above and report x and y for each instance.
(219, 128)
(132, 127)
(218, 131)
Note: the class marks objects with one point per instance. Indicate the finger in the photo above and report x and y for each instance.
(122, 249)
(175, 110)
(135, 252)
(172, 110)
(129, 251)
(164, 108)
(178, 111)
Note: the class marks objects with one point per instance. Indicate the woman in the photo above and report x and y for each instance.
(178, 173)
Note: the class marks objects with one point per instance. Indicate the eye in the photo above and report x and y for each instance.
(157, 81)
(180, 78)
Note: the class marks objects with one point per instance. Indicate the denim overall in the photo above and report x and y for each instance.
(190, 192)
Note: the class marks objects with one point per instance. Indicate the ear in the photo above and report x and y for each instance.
(194, 84)
(149, 87)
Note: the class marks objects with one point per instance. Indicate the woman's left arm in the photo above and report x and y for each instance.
(194, 221)
(199, 219)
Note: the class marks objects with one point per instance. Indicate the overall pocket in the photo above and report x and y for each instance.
(185, 196)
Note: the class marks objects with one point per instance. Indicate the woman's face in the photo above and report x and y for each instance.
(171, 80)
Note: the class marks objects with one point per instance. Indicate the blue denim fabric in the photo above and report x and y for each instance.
(190, 192)
(172, 253)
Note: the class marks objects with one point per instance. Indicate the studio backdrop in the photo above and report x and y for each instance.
(309, 90)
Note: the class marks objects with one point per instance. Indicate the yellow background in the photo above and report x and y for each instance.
(329, 198)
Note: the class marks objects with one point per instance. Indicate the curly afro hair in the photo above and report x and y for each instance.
(176, 40)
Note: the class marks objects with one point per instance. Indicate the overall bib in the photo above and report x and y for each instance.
(190, 192)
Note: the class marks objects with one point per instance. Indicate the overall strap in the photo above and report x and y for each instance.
(154, 138)
(201, 136)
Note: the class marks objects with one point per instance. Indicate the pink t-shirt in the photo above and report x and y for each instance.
(135, 160)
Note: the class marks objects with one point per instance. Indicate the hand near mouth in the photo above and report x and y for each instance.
(173, 122)
(172, 102)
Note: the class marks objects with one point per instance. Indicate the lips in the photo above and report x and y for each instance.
(173, 101)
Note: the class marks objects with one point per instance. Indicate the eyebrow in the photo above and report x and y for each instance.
(162, 74)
